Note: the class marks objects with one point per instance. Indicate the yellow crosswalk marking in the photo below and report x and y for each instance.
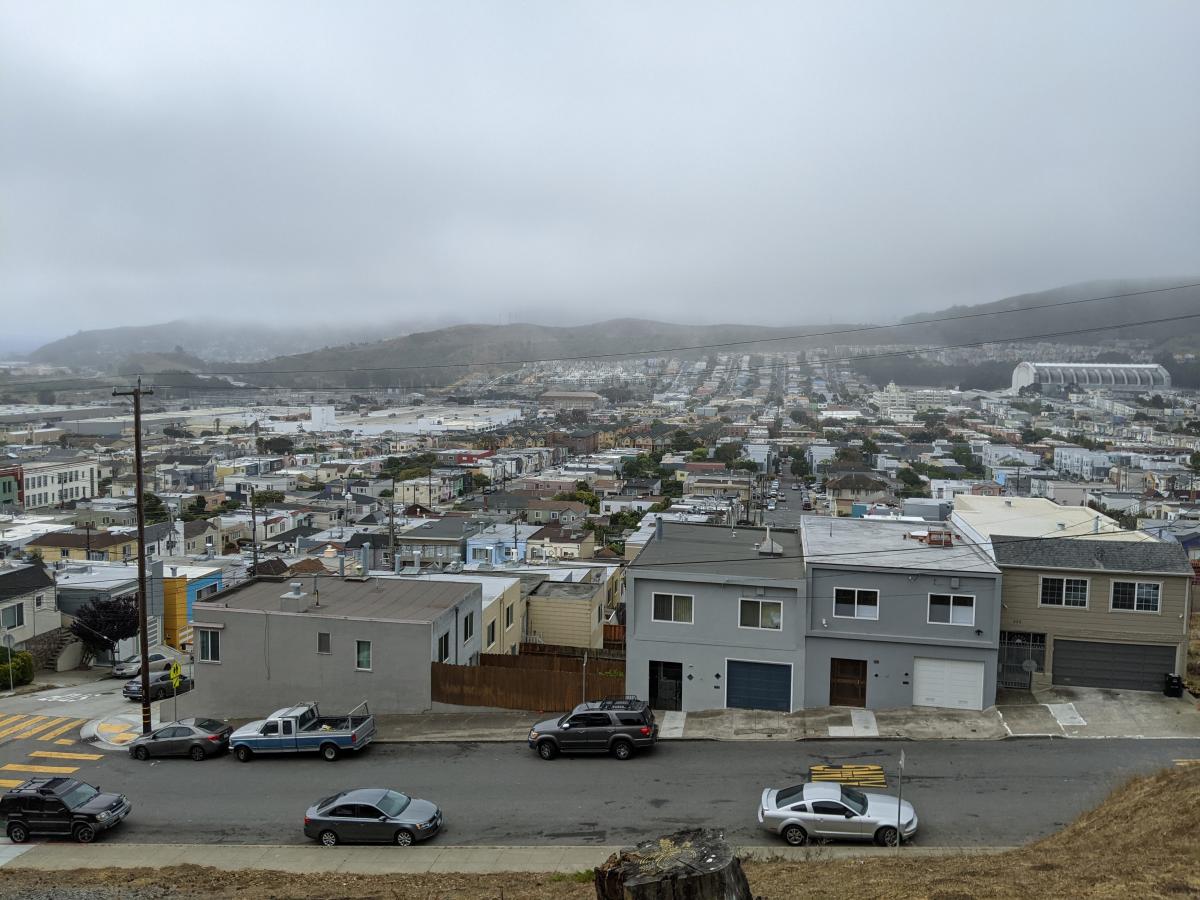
(10, 782)
(9, 720)
(51, 735)
(21, 726)
(40, 770)
(1187, 762)
(63, 742)
(54, 754)
(115, 729)
(36, 728)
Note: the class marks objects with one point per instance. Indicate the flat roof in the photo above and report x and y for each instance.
(719, 550)
(1034, 517)
(887, 544)
(373, 598)
(493, 586)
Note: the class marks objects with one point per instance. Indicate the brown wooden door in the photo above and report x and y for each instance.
(847, 682)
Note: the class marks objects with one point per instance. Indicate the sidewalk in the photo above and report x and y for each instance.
(1101, 713)
(389, 860)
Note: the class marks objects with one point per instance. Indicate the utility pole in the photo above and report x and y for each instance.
(253, 532)
(143, 621)
(392, 525)
(88, 532)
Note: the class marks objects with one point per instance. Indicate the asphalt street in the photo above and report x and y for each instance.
(966, 793)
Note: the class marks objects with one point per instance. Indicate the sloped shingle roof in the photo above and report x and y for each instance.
(1079, 553)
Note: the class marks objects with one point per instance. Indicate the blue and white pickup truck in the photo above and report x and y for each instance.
(302, 729)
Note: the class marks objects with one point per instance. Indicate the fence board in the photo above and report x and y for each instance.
(516, 688)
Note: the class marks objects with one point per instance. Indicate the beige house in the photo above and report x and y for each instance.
(1083, 612)
(554, 543)
(568, 613)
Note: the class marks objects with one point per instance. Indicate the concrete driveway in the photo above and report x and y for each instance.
(1100, 713)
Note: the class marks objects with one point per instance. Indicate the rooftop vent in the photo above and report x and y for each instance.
(291, 601)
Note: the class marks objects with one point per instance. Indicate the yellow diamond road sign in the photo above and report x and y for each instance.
(856, 776)
(176, 673)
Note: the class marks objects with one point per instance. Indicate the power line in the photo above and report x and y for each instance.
(711, 346)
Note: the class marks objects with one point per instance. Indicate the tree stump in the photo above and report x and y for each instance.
(687, 865)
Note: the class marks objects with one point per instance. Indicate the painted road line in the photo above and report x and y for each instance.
(54, 754)
(9, 720)
(39, 770)
(115, 729)
(123, 738)
(21, 726)
(10, 782)
(65, 742)
(57, 732)
(1187, 762)
(36, 728)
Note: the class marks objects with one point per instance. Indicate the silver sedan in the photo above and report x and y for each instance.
(830, 811)
(372, 815)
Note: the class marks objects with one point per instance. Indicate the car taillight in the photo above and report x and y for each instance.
(214, 738)
(645, 730)
(307, 820)
(353, 737)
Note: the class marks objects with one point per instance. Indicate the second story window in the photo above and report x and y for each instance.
(1070, 592)
(1136, 596)
(855, 603)
(444, 647)
(468, 626)
(672, 608)
(765, 614)
(951, 609)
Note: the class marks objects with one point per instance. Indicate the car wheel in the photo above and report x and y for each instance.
(329, 752)
(18, 833)
(887, 836)
(547, 750)
(622, 750)
(795, 835)
(243, 754)
(84, 834)
(328, 838)
(141, 754)
(196, 753)
(404, 838)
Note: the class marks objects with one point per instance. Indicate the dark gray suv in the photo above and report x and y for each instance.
(616, 725)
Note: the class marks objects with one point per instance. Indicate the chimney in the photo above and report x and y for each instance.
(417, 561)
(658, 528)
(365, 557)
(290, 602)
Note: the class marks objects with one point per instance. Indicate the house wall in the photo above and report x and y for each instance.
(270, 660)
(507, 640)
(462, 652)
(1022, 612)
(37, 619)
(713, 638)
(572, 621)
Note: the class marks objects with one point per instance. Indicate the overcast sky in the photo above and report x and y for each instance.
(563, 161)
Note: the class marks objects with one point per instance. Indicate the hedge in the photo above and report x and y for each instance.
(21, 665)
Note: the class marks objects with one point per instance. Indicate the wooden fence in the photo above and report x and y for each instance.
(614, 634)
(553, 662)
(513, 687)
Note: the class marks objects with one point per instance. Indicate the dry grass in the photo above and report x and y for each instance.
(1139, 844)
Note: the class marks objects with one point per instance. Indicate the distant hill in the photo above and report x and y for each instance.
(110, 349)
(435, 358)
(1119, 313)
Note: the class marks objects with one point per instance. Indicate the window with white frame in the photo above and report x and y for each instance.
(672, 608)
(1136, 596)
(764, 614)
(13, 616)
(209, 642)
(951, 609)
(1070, 592)
(855, 603)
(508, 617)
(491, 634)
(362, 656)
(479, 554)
(444, 647)
(468, 626)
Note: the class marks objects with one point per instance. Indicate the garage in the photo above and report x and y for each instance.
(949, 683)
(1131, 667)
(755, 685)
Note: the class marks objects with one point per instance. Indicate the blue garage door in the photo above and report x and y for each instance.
(753, 685)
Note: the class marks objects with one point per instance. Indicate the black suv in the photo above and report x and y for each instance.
(60, 807)
(616, 725)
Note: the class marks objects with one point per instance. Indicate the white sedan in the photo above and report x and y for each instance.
(831, 811)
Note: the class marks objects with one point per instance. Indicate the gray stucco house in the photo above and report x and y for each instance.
(839, 612)
(269, 643)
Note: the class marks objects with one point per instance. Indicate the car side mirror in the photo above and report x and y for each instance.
(849, 814)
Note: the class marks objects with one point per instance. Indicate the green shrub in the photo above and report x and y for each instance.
(21, 665)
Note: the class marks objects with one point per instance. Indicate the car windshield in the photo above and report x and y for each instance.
(210, 725)
(393, 803)
(132, 659)
(856, 800)
(79, 795)
(788, 794)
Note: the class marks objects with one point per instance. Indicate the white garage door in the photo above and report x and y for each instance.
(950, 683)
